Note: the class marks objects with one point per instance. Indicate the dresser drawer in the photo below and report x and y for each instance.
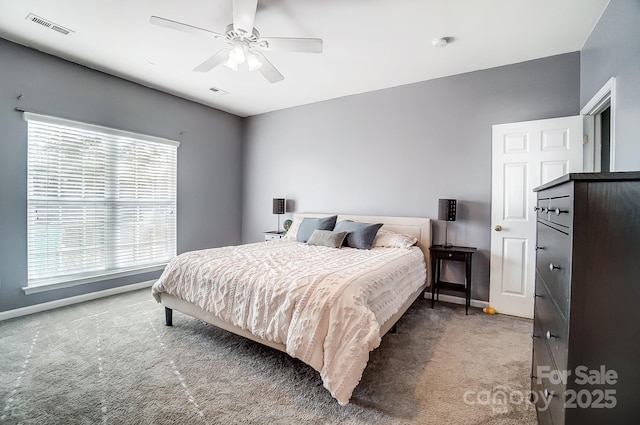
(560, 211)
(542, 208)
(553, 263)
(549, 394)
(556, 192)
(537, 389)
(556, 392)
(541, 354)
(553, 329)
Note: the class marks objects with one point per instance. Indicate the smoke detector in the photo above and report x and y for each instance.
(440, 42)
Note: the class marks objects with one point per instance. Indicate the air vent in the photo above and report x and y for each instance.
(48, 24)
(218, 91)
(60, 29)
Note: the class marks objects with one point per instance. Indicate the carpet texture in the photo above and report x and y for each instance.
(112, 361)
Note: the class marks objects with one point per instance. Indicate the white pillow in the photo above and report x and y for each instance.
(388, 239)
(293, 229)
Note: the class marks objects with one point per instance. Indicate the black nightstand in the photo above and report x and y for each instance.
(454, 253)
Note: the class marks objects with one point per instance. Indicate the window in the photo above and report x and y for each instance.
(101, 202)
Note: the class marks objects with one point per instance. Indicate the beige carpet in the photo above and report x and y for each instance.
(112, 361)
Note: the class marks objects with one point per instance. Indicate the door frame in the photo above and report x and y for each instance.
(603, 99)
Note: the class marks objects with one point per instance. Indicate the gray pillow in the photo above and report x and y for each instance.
(359, 235)
(327, 238)
(308, 225)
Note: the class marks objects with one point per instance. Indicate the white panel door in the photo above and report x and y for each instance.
(524, 155)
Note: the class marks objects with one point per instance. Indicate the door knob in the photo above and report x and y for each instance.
(498, 228)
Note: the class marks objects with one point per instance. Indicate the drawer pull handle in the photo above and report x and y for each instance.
(548, 393)
(539, 247)
(549, 335)
(558, 211)
(534, 336)
(535, 209)
(537, 296)
(544, 210)
(553, 267)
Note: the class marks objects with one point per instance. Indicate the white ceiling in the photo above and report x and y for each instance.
(368, 44)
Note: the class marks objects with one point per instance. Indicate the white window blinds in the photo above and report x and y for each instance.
(100, 201)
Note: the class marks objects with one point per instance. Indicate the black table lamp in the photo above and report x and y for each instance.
(446, 213)
(278, 208)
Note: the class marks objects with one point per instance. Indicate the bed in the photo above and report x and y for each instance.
(325, 306)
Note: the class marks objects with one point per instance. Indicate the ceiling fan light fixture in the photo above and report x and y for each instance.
(253, 62)
(231, 64)
(237, 55)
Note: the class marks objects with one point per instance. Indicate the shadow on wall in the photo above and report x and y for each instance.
(467, 218)
(290, 206)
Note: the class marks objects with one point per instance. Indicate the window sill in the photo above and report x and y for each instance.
(67, 284)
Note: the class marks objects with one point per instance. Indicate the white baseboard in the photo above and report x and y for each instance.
(37, 308)
(458, 300)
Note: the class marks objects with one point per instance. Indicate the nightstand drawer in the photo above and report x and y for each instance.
(271, 236)
(453, 256)
(553, 263)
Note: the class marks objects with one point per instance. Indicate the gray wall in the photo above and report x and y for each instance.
(209, 156)
(396, 151)
(613, 50)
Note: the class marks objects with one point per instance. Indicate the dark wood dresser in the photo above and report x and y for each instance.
(586, 338)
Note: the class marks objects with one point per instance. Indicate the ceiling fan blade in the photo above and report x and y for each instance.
(267, 69)
(213, 61)
(167, 23)
(277, 44)
(244, 15)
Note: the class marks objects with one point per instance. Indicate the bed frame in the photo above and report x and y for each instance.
(418, 227)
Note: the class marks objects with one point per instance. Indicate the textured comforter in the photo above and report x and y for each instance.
(324, 304)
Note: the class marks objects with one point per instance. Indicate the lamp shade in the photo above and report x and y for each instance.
(447, 209)
(278, 205)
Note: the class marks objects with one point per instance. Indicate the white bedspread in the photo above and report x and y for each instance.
(324, 304)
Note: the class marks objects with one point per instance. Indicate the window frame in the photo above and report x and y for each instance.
(110, 135)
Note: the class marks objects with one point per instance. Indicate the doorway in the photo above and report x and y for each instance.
(599, 129)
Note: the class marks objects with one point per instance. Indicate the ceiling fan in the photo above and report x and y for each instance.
(245, 43)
